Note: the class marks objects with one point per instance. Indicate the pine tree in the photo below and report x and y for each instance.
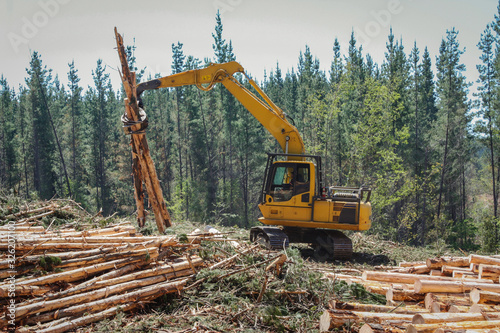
(453, 109)
(337, 67)
(100, 119)
(76, 142)
(488, 80)
(395, 72)
(178, 66)
(223, 52)
(8, 133)
(42, 144)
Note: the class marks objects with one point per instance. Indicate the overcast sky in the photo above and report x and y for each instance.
(262, 32)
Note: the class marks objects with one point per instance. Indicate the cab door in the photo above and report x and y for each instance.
(289, 183)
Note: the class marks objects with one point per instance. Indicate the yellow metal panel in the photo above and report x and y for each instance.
(322, 211)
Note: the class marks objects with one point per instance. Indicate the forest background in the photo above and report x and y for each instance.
(407, 127)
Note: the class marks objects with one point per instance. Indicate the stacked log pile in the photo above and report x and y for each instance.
(60, 279)
(446, 294)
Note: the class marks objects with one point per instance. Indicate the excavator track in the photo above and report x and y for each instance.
(327, 244)
(336, 243)
(273, 238)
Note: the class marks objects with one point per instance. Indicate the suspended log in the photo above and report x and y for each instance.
(147, 171)
(429, 328)
(437, 263)
(429, 286)
(482, 296)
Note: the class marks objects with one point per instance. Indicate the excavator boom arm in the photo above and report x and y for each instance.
(265, 111)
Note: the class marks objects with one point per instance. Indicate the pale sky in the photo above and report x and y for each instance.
(262, 32)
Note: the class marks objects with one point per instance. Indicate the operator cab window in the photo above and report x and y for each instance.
(281, 185)
(289, 180)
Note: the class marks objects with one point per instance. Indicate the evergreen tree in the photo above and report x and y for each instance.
(488, 80)
(8, 132)
(223, 52)
(77, 130)
(337, 67)
(42, 145)
(100, 108)
(178, 66)
(453, 122)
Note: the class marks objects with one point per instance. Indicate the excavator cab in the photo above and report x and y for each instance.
(287, 180)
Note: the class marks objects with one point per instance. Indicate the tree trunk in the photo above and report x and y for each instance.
(331, 319)
(429, 328)
(482, 296)
(437, 263)
(432, 318)
(427, 286)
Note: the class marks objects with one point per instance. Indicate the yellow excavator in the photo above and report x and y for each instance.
(296, 206)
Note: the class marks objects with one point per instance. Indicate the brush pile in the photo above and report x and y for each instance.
(446, 294)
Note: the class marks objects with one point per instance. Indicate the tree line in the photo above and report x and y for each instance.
(406, 127)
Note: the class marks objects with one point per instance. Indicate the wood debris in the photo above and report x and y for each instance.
(419, 300)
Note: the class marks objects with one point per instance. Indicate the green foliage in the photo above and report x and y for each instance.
(488, 238)
(356, 292)
(48, 262)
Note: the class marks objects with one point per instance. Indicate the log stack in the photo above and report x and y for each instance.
(445, 294)
(61, 279)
